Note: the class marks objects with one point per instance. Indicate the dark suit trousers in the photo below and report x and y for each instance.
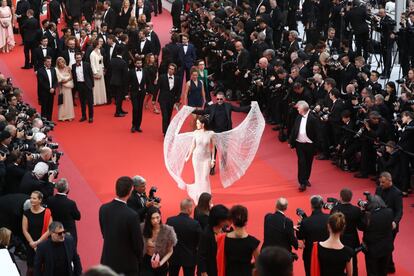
(361, 43)
(174, 270)
(305, 153)
(137, 106)
(47, 106)
(166, 113)
(86, 98)
(118, 92)
(28, 53)
(376, 266)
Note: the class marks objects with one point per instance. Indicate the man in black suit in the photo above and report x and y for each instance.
(110, 47)
(21, 14)
(188, 233)
(154, 39)
(406, 142)
(353, 218)
(278, 228)
(69, 52)
(186, 56)
(304, 137)
(138, 81)
(54, 10)
(64, 209)
(138, 201)
(169, 94)
(348, 72)
(119, 80)
(357, 16)
(53, 40)
(109, 16)
(30, 30)
(177, 8)
(392, 197)
(36, 6)
(57, 255)
(47, 83)
(83, 80)
(313, 229)
(143, 7)
(40, 53)
(73, 10)
(123, 244)
(144, 46)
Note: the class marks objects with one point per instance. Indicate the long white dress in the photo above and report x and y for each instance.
(201, 163)
(99, 91)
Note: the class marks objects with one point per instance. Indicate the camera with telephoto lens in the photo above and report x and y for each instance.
(301, 213)
(401, 81)
(152, 197)
(52, 146)
(54, 172)
(331, 202)
(363, 203)
(58, 155)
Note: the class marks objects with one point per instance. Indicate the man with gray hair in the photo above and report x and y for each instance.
(305, 137)
(64, 209)
(57, 255)
(138, 201)
(31, 181)
(188, 233)
(278, 228)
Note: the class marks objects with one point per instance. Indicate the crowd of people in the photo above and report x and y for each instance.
(320, 92)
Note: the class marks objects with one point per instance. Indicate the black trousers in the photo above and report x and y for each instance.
(137, 106)
(166, 113)
(28, 49)
(174, 270)
(376, 266)
(386, 53)
(147, 269)
(118, 92)
(305, 153)
(361, 43)
(86, 98)
(47, 106)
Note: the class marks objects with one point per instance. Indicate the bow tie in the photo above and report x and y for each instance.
(185, 44)
(78, 65)
(139, 70)
(47, 68)
(71, 51)
(170, 78)
(44, 48)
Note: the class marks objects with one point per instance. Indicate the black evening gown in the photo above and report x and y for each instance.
(238, 254)
(333, 261)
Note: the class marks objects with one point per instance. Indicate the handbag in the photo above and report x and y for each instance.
(60, 99)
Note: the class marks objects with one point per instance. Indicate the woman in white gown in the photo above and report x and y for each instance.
(203, 159)
(96, 58)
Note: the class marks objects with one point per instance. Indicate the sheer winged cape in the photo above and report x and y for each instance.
(236, 148)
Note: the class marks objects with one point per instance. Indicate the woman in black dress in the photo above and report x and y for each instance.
(202, 211)
(151, 69)
(35, 225)
(334, 257)
(239, 246)
(124, 15)
(194, 94)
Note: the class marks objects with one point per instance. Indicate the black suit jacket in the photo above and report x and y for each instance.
(176, 8)
(148, 48)
(38, 57)
(406, 140)
(358, 17)
(14, 176)
(156, 44)
(353, 218)
(187, 59)
(119, 71)
(64, 210)
(30, 183)
(54, 10)
(30, 30)
(134, 86)
(123, 243)
(243, 60)
(43, 82)
(87, 75)
(134, 202)
(188, 233)
(53, 42)
(278, 231)
(44, 258)
(393, 198)
(312, 130)
(65, 54)
(110, 19)
(207, 250)
(166, 95)
(147, 11)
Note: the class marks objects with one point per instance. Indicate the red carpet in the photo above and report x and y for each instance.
(96, 155)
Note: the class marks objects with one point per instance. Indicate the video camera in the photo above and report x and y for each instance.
(331, 203)
(363, 203)
(152, 197)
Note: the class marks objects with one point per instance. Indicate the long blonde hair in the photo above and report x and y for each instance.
(5, 235)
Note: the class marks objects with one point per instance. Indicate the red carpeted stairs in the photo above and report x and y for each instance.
(97, 154)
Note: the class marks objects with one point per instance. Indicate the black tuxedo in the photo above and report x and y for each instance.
(31, 35)
(155, 43)
(137, 91)
(176, 10)
(188, 233)
(109, 18)
(44, 85)
(186, 59)
(393, 199)
(53, 42)
(278, 231)
(39, 55)
(65, 210)
(119, 80)
(148, 48)
(73, 9)
(348, 74)
(123, 244)
(305, 151)
(54, 10)
(65, 54)
(146, 10)
(84, 88)
(21, 9)
(45, 258)
(167, 98)
(137, 203)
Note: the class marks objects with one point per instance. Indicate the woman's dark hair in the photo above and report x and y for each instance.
(95, 43)
(336, 222)
(238, 215)
(203, 120)
(203, 205)
(218, 214)
(392, 85)
(147, 232)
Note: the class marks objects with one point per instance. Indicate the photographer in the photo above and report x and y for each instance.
(353, 217)
(312, 229)
(408, 83)
(377, 227)
(386, 27)
(138, 201)
(392, 197)
(357, 16)
(406, 142)
(31, 181)
(389, 160)
(278, 228)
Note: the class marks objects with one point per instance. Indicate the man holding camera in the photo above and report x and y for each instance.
(278, 228)
(392, 197)
(138, 201)
(406, 143)
(312, 229)
(386, 27)
(353, 217)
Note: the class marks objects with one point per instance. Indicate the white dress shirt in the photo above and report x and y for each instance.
(49, 76)
(185, 49)
(139, 75)
(44, 51)
(302, 136)
(71, 58)
(171, 81)
(79, 73)
(142, 44)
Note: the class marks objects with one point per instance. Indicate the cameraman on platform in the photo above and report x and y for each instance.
(353, 217)
(392, 197)
(312, 229)
(377, 227)
(138, 201)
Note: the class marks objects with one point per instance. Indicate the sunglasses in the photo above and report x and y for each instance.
(220, 99)
(60, 233)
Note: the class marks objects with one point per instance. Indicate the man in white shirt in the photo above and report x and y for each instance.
(47, 83)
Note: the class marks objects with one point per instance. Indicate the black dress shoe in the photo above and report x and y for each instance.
(83, 119)
(119, 115)
(212, 171)
(133, 129)
(360, 175)
(302, 188)
(139, 129)
(90, 120)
